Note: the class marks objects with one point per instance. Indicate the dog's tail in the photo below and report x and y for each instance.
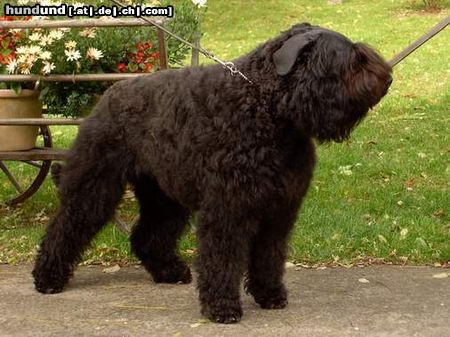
(55, 172)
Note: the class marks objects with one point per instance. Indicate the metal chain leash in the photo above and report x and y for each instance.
(234, 70)
(227, 65)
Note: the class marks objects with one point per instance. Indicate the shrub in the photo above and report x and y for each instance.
(432, 4)
(91, 50)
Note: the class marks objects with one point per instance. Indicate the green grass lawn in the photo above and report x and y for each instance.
(384, 194)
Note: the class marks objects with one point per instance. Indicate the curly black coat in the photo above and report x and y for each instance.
(240, 154)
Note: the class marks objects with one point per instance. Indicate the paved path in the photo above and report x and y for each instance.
(396, 301)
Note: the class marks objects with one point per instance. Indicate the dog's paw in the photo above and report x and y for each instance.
(273, 303)
(275, 298)
(178, 272)
(47, 280)
(225, 314)
(47, 284)
(46, 289)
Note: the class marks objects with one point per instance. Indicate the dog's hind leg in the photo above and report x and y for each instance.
(91, 186)
(154, 239)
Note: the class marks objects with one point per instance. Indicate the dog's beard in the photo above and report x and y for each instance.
(339, 132)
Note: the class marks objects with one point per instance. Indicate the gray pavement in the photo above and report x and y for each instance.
(396, 301)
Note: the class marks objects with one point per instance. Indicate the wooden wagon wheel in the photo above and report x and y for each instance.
(125, 217)
(24, 189)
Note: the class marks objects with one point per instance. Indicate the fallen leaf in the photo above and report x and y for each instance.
(367, 217)
(336, 236)
(409, 182)
(345, 170)
(199, 322)
(382, 238)
(421, 242)
(441, 275)
(404, 232)
(302, 265)
(190, 251)
(363, 280)
(113, 269)
(289, 265)
(404, 259)
(439, 213)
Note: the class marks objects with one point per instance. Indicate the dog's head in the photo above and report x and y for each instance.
(332, 82)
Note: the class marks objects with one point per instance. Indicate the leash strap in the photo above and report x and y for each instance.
(419, 42)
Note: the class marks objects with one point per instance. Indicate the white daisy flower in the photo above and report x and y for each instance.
(45, 3)
(45, 55)
(72, 54)
(48, 67)
(38, 17)
(11, 66)
(36, 36)
(70, 44)
(35, 50)
(94, 54)
(23, 50)
(199, 3)
(56, 34)
(22, 59)
(31, 59)
(78, 4)
(25, 69)
(46, 41)
(88, 32)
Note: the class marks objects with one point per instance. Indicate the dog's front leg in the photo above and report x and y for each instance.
(267, 258)
(222, 260)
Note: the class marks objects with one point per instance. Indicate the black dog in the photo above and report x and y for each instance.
(239, 153)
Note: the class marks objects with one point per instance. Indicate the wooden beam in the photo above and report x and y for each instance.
(69, 78)
(81, 23)
(40, 121)
(163, 58)
(45, 153)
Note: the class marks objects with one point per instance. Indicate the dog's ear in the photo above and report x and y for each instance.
(285, 57)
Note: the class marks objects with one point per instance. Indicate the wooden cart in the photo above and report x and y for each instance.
(39, 159)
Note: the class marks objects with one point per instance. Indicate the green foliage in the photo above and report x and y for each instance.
(187, 23)
(123, 50)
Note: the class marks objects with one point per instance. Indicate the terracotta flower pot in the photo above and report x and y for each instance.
(24, 105)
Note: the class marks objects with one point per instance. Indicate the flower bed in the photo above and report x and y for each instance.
(89, 50)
